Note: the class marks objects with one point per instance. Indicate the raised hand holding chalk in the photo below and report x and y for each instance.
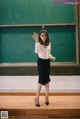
(35, 37)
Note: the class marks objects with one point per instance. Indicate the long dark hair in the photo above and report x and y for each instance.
(47, 40)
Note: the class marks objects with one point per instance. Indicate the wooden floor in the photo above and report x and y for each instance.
(27, 102)
(60, 106)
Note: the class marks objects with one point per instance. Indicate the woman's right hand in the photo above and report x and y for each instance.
(35, 37)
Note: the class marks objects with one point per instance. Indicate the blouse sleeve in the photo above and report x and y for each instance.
(37, 45)
(50, 56)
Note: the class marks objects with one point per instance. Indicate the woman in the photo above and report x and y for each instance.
(42, 48)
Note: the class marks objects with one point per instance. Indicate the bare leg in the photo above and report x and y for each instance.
(38, 93)
(47, 92)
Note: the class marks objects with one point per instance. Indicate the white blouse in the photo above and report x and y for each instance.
(43, 52)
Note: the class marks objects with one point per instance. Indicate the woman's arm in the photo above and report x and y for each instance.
(37, 45)
(35, 37)
(52, 57)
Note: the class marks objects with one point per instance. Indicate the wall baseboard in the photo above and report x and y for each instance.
(42, 93)
(32, 70)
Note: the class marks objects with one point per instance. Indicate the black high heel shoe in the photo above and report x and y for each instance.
(46, 102)
(37, 104)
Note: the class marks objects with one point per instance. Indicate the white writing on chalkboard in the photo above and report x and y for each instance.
(66, 2)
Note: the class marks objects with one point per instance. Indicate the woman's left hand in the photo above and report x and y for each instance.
(54, 58)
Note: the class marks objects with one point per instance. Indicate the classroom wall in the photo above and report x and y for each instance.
(17, 24)
(29, 84)
(9, 35)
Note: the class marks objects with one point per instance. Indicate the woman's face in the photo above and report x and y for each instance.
(43, 36)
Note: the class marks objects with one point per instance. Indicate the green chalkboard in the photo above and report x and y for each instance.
(17, 45)
(35, 12)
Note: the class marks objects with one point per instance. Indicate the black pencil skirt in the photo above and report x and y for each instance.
(43, 70)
